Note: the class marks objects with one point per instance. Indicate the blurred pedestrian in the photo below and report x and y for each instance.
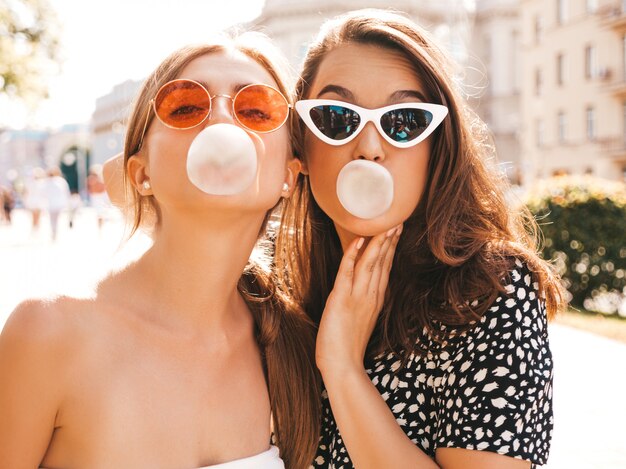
(7, 198)
(57, 193)
(34, 195)
(75, 203)
(98, 198)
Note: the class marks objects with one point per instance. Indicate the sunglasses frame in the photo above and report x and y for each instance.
(438, 111)
(152, 106)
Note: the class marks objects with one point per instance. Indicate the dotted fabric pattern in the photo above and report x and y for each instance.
(489, 390)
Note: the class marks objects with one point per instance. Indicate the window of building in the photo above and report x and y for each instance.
(560, 172)
(539, 29)
(590, 62)
(561, 11)
(592, 6)
(624, 56)
(624, 123)
(487, 49)
(515, 65)
(540, 133)
(562, 126)
(538, 82)
(487, 52)
(560, 69)
(590, 117)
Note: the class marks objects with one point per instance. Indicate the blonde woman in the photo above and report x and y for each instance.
(184, 358)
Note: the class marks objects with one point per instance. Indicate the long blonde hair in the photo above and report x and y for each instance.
(284, 333)
(459, 243)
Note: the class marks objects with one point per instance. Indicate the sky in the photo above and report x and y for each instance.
(107, 42)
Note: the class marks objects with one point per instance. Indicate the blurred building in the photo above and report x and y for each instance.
(494, 77)
(573, 111)
(20, 151)
(109, 119)
(67, 148)
(547, 76)
(292, 24)
(483, 36)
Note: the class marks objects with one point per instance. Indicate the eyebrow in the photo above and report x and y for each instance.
(403, 94)
(340, 90)
(395, 96)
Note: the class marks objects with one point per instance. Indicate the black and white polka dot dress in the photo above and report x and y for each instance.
(490, 390)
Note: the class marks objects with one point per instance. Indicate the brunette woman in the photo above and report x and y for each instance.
(448, 364)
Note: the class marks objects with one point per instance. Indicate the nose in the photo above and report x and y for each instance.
(221, 110)
(369, 144)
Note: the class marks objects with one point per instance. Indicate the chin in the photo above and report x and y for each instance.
(368, 228)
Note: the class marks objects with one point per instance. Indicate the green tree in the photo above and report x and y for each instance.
(29, 48)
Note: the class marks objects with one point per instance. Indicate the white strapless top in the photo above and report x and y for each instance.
(269, 459)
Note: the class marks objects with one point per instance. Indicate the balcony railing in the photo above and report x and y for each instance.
(613, 15)
(614, 146)
(614, 81)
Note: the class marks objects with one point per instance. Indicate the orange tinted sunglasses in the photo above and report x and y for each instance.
(183, 104)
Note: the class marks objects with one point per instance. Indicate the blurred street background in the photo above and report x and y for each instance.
(547, 76)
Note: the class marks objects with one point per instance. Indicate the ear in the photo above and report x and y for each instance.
(138, 173)
(294, 166)
(303, 167)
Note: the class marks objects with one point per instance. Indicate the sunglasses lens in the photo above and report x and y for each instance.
(182, 104)
(404, 125)
(335, 122)
(261, 108)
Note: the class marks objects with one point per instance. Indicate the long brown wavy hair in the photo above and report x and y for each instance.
(284, 333)
(457, 247)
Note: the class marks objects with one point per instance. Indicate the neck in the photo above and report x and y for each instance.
(345, 237)
(191, 272)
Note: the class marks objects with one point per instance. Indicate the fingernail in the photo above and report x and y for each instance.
(391, 232)
(360, 242)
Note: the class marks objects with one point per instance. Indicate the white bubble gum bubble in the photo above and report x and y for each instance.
(365, 189)
(222, 160)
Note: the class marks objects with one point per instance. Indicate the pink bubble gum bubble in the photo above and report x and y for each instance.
(365, 189)
(222, 160)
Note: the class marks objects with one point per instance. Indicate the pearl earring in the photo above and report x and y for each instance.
(146, 185)
(285, 187)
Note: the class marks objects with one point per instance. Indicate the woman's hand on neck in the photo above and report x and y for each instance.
(347, 237)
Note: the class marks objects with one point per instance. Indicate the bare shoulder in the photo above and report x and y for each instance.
(41, 347)
(37, 353)
(37, 321)
(41, 330)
